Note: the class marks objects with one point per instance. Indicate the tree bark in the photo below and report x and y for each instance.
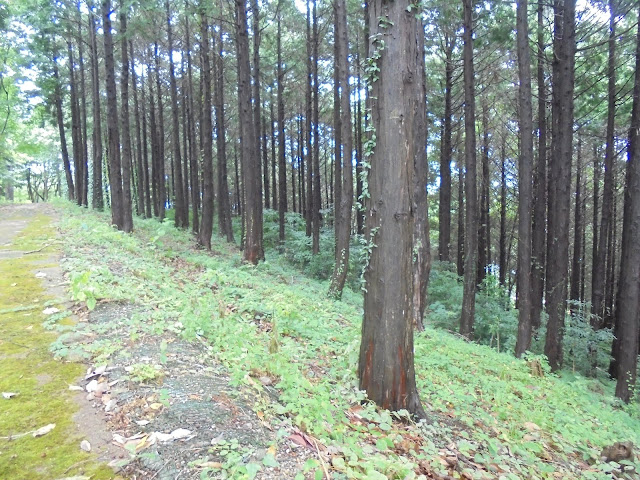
(206, 225)
(317, 197)
(63, 137)
(345, 206)
(600, 261)
(282, 161)
(444, 206)
(503, 214)
(560, 178)
(538, 247)
(181, 213)
(525, 178)
(627, 311)
(97, 200)
(115, 170)
(386, 368)
(193, 156)
(253, 249)
(577, 261)
(126, 130)
(483, 227)
(139, 162)
(224, 208)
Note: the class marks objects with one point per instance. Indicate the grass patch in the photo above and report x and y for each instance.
(273, 320)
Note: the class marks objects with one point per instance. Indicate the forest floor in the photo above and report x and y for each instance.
(173, 362)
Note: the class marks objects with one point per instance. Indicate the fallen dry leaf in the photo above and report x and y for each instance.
(85, 445)
(76, 388)
(8, 395)
(50, 311)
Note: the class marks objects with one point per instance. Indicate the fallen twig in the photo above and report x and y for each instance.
(38, 250)
(324, 466)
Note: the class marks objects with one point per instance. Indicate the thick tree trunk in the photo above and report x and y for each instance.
(126, 130)
(253, 249)
(181, 213)
(345, 206)
(471, 190)
(525, 179)
(560, 179)
(97, 200)
(627, 311)
(257, 37)
(115, 169)
(386, 368)
(206, 225)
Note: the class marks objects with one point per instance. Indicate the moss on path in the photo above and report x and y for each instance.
(26, 365)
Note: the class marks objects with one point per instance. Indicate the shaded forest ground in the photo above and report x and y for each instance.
(222, 370)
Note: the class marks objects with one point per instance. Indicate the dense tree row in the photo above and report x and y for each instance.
(212, 110)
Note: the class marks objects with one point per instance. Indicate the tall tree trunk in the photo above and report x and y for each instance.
(206, 225)
(274, 158)
(444, 206)
(126, 130)
(282, 161)
(253, 249)
(145, 154)
(560, 178)
(600, 266)
(162, 187)
(317, 197)
(139, 162)
(359, 147)
(538, 247)
(115, 170)
(503, 213)
(153, 131)
(525, 179)
(224, 209)
(181, 214)
(386, 368)
(193, 156)
(461, 222)
(76, 132)
(308, 115)
(627, 311)
(265, 164)
(483, 227)
(257, 36)
(345, 206)
(84, 169)
(97, 200)
(471, 190)
(577, 261)
(63, 137)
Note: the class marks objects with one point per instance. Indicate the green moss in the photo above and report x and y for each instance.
(28, 369)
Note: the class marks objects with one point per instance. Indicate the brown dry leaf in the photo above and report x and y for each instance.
(272, 450)
(156, 406)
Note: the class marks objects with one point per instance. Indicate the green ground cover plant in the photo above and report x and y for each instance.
(275, 320)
